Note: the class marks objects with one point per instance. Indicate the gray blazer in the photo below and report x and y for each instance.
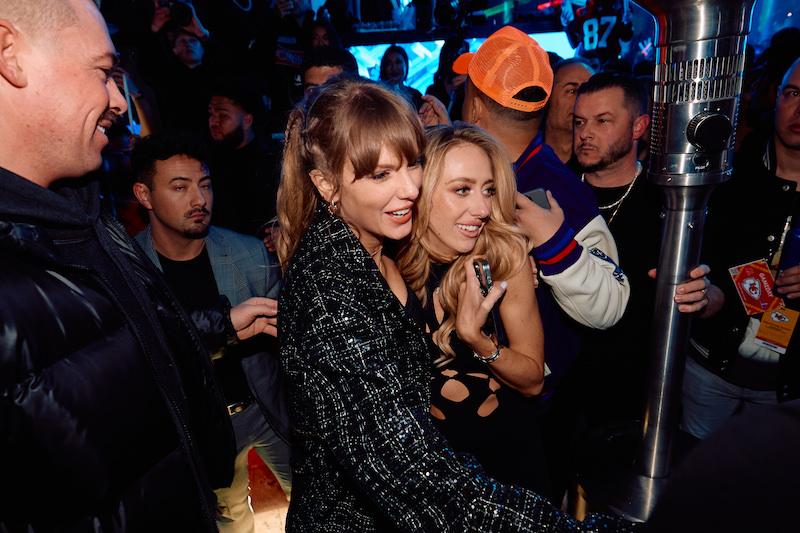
(243, 268)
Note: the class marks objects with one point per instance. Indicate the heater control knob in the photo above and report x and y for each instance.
(709, 132)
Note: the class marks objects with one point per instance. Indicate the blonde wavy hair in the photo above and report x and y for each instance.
(500, 242)
(347, 119)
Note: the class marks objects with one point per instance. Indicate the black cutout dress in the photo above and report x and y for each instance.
(480, 415)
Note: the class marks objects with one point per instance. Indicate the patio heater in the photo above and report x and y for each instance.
(698, 81)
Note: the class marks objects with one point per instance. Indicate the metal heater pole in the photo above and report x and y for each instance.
(700, 62)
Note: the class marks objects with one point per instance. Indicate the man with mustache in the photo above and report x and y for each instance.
(610, 117)
(207, 267)
(749, 218)
(106, 389)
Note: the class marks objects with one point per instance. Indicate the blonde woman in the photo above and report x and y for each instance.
(481, 389)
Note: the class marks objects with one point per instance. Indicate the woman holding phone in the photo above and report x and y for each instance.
(482, 383)
(366, 455)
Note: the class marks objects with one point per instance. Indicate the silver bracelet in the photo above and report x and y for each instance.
(491, 358)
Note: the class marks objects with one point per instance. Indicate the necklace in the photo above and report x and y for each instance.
(618, 203)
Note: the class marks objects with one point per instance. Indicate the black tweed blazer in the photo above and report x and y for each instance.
(366, 455)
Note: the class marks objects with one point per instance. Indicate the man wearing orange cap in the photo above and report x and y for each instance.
(508, 85)
(509, 82)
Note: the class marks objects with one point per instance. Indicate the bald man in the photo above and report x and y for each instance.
(568, 76)
(110, 419)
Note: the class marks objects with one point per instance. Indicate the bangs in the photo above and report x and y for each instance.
(374, 121)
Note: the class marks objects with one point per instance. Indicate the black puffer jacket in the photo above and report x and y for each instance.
(110, 419)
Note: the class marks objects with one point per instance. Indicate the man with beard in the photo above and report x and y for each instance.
(106, 391)
(749, 218)
(243, 162)
(610, 117)
(201, 263)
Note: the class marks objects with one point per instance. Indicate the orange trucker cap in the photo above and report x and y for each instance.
(507, 62)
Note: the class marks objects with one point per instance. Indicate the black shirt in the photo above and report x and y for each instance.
(614, 360)
(194, 286)
(245, 186)
(192, 281)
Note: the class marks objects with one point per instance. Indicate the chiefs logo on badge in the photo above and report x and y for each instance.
(754, 283)
(752, 287)
(777, 316)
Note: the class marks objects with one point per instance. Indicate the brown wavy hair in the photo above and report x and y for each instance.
(500, 242)
(347, 119)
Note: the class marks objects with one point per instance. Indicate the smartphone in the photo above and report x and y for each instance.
(494, 324)
(539, 197)
(484, 274)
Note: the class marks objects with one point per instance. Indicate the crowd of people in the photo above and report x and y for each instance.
(423, 312)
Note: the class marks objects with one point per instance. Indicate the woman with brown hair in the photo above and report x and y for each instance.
(366, 454)
(481, 389)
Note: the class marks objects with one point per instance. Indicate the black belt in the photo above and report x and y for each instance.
(237, 407)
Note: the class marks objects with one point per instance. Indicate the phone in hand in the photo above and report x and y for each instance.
(539, 197)
(484, 274)
(494, 323)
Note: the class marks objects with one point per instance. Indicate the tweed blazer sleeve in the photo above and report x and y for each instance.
(358, 372)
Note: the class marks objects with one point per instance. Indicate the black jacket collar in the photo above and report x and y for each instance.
(72, 203)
